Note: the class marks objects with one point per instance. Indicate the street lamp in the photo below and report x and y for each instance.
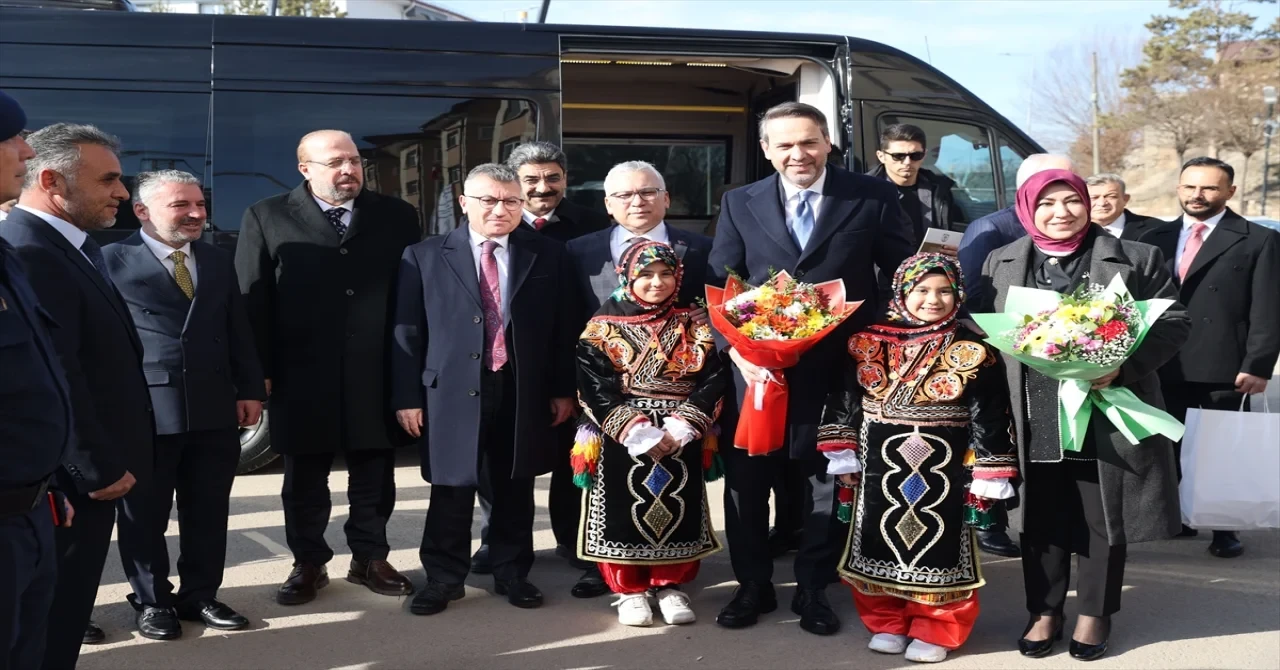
(1268, 129)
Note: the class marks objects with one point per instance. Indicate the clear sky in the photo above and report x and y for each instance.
(989, 46)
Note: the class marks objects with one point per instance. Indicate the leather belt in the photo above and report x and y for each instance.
(14, 502)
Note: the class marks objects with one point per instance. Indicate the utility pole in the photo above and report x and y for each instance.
(1269, 128)
(1097, 162)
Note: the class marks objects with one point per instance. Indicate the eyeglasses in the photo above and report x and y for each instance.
(900, 158)
(646, 194)
(337, 163)
(490, 202)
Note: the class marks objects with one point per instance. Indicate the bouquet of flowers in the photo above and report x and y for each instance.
(772, 325)
(1077, 338)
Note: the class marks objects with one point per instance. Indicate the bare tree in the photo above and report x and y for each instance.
(1181, 117)
(1062, 86)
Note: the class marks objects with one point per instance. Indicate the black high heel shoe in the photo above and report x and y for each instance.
(1091, 652)
(1039, 648)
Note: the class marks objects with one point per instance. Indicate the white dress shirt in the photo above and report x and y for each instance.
(349, 206)
(815, 203)
(3, 215)
(162, 252)
(529, 217)
(74, 235)
(503, 258)
(1116, 228)
(1185, 233)
(619, 237)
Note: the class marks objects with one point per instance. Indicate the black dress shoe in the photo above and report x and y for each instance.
(519, 592)
(816, 615)
(997, 543)
(590, 585)
(303, 583)
(214, 614)
(480, 564)
(1187, 531)
(434, 597)
(93, 634)
(158, 623)
(1038, 648)
(1225, 544)
(782, 542)
(750, 600)
(1090, 652)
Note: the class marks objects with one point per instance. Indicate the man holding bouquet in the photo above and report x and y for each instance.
(818, 223)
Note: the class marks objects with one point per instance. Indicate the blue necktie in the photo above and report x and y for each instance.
(802, 218)
(94, 252)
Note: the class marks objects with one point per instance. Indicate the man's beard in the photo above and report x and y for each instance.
(85, 221)
(1208, 213)
(336, 193)
(178, 236)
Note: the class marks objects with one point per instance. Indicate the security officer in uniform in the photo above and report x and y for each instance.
(35, 430)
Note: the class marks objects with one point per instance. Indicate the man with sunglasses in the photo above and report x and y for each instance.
(925, 196)
(318, 268)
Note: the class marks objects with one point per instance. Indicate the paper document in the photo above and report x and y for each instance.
(937, 240)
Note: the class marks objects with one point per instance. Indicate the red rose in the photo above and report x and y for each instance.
(1112, 329)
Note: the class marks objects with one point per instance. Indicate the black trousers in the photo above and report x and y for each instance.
(199, 467)
(371, 494)
(1064, 517)
(28, 573)
(82, 552)
(748, 480)
(1180, 397)
(446, 536)
(792, 500)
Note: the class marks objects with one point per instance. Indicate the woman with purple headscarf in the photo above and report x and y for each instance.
(1111, 493)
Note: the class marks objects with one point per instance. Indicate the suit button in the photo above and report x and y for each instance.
(149, 408)
(185, 340)
(217, 339)
(475, 357)
(476, 319)
(343, 252)
(1208, 320)
(799, 274)
(473, 393)
(1213, 288)
(350, 292)
(218, 369)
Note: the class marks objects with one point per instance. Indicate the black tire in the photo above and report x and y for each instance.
(255, 446)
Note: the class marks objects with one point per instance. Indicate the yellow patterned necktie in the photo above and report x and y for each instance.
(182, 275)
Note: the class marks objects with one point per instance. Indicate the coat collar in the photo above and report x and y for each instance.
(308, 213)
(1231, 230)
(839, 201)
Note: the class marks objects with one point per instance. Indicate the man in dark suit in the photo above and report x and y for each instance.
(1227, 270)
(1110, 208)
(318, 267)
(483, 370)
(73, 187)
(205, 382)
(819, 223)
(541, 167)
(35, 433)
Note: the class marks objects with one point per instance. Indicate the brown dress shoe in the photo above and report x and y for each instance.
(379, 577)
(302, 584)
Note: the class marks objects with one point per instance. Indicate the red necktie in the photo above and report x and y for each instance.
(1189, 251)
(495, 341)
(539, 222)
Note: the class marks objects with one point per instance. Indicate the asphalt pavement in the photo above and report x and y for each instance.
(1182, 609)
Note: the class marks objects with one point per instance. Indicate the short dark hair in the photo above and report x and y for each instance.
(1205, 161)
(902, 132)
(793, 110)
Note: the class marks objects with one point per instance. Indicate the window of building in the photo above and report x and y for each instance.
(451, 139)
(506, 148)
(695, 169)
(514, 109)
(254, 149)
(156, 130)
(485, 134)
(411, 158)
(962, 153)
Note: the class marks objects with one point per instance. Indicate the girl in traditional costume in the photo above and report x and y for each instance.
(920, 436)
(650, 381)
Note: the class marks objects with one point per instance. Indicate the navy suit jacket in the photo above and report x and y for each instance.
(438, 344)
(198, 355)
(861, 226)
(35, 402)
(596, 278)
(100, 353)
(982, 237)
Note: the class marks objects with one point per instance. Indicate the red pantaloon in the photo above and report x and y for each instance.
(944, 625)
(641, 578)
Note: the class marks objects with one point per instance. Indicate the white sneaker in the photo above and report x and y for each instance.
(886, 643)
(675, 607)
(633, 609)
(924, 652)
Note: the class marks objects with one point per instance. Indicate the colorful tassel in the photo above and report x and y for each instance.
(712, 464)
(585, 454)
(845, 495)
(977, 512)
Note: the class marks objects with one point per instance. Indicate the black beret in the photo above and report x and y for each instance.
(12, 118)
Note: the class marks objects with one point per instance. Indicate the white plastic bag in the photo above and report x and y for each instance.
(1231, 469)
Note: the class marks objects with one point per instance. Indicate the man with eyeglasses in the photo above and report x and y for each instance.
(318, 268)
(926, 197)
(496, 303)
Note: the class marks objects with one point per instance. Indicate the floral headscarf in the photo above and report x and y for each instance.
(912, 272)
(624, 305)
